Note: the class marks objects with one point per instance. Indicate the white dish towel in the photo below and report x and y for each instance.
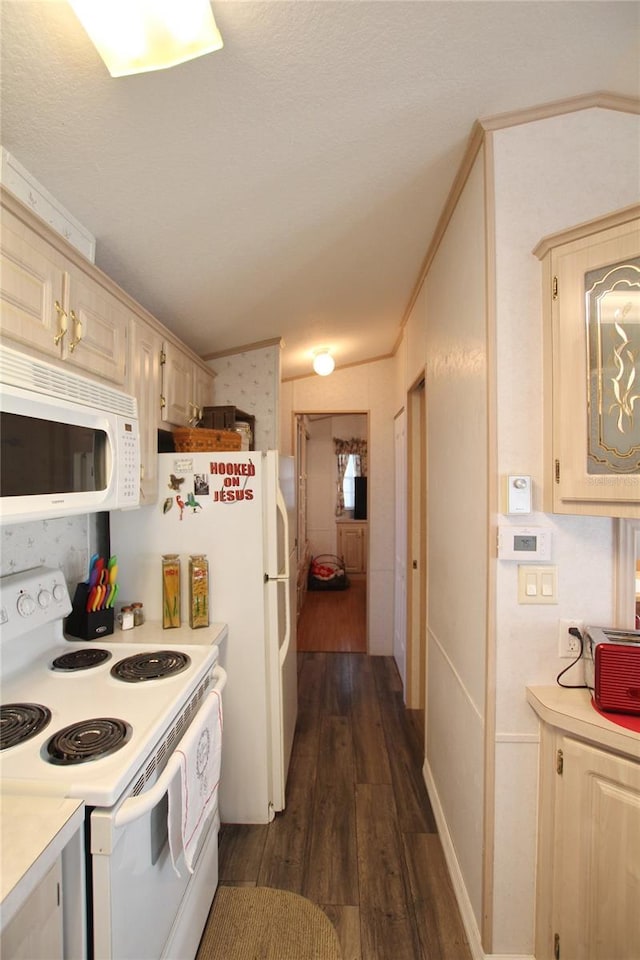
(193, 792)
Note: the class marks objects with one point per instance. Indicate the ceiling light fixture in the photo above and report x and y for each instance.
(135, 36)
(323, 362)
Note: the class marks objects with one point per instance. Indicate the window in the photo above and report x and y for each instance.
(348, 486)
(351, 460)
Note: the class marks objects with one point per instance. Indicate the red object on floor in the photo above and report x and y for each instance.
(627, 720)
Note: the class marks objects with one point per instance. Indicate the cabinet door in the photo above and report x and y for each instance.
(177, 375)
(203, 387)
(146, 384)
(598, 889)
(595, 349)
(32, 282)
(96, 341)
(352, 547)
(35, 932)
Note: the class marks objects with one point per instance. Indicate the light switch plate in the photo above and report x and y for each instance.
(537, 584)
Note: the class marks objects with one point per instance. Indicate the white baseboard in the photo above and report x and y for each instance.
(459, 888)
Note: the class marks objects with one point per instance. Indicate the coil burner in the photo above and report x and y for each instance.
(20, 722)
(82, 659)
(150, 665)
(87, 740)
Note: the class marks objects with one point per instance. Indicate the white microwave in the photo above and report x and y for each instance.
(68, 445)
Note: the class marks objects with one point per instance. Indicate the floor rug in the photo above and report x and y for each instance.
(260, 923)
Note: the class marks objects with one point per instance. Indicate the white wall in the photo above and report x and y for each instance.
(251, 381)
(457, 548)
(368, 388)
(549, 175)
(64, 543)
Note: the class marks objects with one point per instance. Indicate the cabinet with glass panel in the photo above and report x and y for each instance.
(591, 280)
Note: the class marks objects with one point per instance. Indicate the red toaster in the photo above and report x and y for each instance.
(612, 668)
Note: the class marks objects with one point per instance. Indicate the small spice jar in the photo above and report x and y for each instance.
(138, 614)
(125, 618)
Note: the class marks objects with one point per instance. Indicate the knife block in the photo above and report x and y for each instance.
(85, 625)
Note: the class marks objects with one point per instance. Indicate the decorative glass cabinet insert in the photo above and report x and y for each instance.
(612, 300)
(592, 367)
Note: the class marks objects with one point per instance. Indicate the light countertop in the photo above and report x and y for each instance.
(573, 712)
(152, 631)
(34, 832)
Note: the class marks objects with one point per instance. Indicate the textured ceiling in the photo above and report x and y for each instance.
(288, 186)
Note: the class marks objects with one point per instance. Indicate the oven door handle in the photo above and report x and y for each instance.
(135, 807)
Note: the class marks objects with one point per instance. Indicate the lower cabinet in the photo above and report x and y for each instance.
(352, 545)
(35, 932)
(588, 900)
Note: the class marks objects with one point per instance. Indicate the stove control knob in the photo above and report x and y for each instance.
(44, 598)
(58, 592)
(26, 605)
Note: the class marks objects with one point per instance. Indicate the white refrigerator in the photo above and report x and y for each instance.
(238, 509)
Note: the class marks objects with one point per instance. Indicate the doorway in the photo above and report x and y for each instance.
(332, 620)
(417, 547)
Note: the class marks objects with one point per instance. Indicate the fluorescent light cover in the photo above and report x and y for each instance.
(135, 36)
(323, 363)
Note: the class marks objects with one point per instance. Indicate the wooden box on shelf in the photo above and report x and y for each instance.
(226, 417)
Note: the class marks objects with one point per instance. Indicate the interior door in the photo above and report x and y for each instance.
(280, 490)
(400, 564)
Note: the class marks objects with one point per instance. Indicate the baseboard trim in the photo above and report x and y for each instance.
(464, 903)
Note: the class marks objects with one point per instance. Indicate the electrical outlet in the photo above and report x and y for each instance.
(568, 645)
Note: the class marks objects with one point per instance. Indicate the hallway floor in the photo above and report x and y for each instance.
(335, 619)
(358, 836)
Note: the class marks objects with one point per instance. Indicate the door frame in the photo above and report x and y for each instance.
(400, 548)
(323, 412)
(416, 544)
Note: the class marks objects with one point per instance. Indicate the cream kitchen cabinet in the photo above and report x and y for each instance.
(352, 545)
(588, 884)
(145, 383)
(42, 883)
(52, 306)
(187, 387)
(35, 933)
(591, 282)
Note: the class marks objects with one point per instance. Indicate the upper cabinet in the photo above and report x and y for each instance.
(51, 305)
(187, 387)
(145, 383)
(592, 367)
(55, 303)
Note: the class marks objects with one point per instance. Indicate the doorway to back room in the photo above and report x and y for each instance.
(333, 531)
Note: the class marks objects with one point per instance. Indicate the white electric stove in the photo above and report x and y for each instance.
(98, 722)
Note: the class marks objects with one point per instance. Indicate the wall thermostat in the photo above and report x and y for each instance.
(524, 543)
(518, 494)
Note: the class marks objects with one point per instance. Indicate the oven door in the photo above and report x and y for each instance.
(141, 908)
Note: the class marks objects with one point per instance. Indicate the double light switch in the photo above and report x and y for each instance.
(537, 584)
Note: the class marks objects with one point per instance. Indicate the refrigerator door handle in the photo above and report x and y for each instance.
(284, 649)
(281, 508)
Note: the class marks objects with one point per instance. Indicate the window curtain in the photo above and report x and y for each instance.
(343, 449)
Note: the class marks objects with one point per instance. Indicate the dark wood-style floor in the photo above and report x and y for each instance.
(358, 836)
